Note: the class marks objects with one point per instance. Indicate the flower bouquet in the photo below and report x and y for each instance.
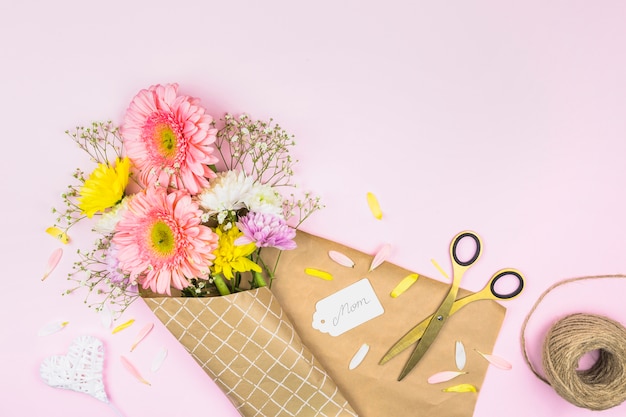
(183, 207)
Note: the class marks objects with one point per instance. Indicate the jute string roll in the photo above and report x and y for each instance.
(603, 385)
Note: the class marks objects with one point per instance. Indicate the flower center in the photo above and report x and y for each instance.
(165, 139)
(162, 238)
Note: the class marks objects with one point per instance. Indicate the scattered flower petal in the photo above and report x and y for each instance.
(133, 371)
(341, 259)
(440, 269)
(372, 202)
(58, 234)
(359, 356)
(496, 361)
(444, 376)
(404, 285)
(106, 317)
(123, 326)
(53, 261)
(158, 360)
(53, 327)
(459, 356)
(461, 388)
(380, 256)
(142, 334)
(319, 274)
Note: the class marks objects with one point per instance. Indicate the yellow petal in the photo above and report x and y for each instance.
(58, 233)
(440, 269)
(460, 388)
(123, 326)
(372, 201)
(319, 274)
(404, 285)
(245, 265)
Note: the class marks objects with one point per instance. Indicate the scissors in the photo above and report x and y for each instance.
(425, 333)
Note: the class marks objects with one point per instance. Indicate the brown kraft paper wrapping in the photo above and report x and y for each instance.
(246, 344)
(372, 389)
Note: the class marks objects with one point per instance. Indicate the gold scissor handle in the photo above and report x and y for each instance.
(459, 266)
(488, 292)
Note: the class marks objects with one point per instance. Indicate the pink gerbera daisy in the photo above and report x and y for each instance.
(160, 241)
(168, 138)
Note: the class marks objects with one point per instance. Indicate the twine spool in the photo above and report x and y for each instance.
(603, 385)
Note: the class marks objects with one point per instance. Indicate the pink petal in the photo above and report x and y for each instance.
(133, 371)
(444, 376)
(142, 335)
(380, 257)
(496, 361)
(341, 259)
(53, 261)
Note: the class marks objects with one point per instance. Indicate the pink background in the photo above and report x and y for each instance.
(506, 118)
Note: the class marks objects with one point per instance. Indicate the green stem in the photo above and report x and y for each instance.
(235, 282)
(259, 280)
(280, 252)
(220, 284)
(273, 272)
(263, 265)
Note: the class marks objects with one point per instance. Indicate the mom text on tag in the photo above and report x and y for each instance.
(347, 308)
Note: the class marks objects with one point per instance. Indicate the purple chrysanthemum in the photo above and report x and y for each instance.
(266, 230)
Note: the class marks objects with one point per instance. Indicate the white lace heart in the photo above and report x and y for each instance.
(80, 370)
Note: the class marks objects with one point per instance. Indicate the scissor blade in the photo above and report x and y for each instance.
(416, 333)
(430, 334)
(405, 341)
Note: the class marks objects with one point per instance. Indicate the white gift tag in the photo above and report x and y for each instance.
(347, 308)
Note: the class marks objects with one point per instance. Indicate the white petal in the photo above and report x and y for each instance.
(359, 356)
(460, 356)
(158, 360)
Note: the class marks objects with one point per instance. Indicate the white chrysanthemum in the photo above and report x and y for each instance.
(228, 191)
(265, 199)
(108, 220)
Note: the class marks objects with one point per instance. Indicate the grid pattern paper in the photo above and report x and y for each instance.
(248, 346)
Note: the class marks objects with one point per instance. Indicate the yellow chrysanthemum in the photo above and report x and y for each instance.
(230, 258)
(105, 187)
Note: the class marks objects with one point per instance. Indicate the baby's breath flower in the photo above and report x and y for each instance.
(262, 150)
(97, 272)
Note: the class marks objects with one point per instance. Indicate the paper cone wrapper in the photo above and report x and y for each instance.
(246, 344)
(372, 389)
